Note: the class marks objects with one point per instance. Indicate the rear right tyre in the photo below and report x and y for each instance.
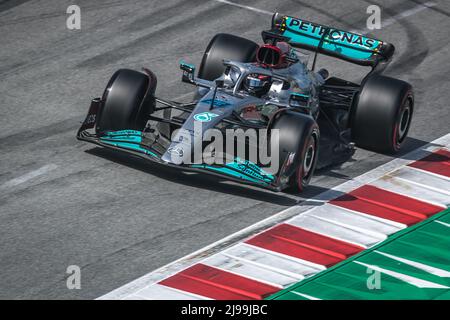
(381, 119)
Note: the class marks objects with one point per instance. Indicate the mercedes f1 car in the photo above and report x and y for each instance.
(318, 118)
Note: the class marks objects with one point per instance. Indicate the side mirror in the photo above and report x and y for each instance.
(299, 100)
(188, 72)
(219, 82)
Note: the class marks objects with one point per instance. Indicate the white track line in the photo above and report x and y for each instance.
(245, 7)
(420, 283)
(443, 223)
(433, 270)
(227, 242)
(28, 176)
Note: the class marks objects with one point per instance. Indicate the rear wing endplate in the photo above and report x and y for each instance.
(330, 41)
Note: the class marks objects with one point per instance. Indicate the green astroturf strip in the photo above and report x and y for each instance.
(415, 264)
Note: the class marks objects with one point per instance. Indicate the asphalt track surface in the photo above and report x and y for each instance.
(64, 202)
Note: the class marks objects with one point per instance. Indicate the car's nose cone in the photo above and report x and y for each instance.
(178, 153)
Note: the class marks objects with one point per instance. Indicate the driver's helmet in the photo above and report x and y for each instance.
(257, 84)
(274, 56)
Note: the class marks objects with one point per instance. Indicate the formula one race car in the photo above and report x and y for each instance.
(302, 117)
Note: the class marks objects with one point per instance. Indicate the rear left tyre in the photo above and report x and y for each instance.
(228, 47)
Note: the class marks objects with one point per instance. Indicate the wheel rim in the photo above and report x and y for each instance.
(309, 159)
(307, 166)
(403, 123)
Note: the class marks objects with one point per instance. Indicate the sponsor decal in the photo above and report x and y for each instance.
(129, 139)
(251, 169)
(123, 133)
(90, 119)
(217, 103)
(205, 116)
(175, 151)
(335, 35)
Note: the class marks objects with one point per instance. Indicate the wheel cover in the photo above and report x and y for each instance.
(403, 123)
(309, 158)
(307, 166)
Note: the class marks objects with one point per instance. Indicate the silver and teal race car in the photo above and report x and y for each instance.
(267, 100)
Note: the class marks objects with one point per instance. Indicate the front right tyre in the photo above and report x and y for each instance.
(298, 147)
(128, 100)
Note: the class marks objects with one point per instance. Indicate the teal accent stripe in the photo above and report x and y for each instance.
(245, 170)
(123, 133)
(128, 139)
(228, 171)
(251, 169)
(242, 170)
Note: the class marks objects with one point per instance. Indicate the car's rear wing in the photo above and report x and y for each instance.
(330, 41)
